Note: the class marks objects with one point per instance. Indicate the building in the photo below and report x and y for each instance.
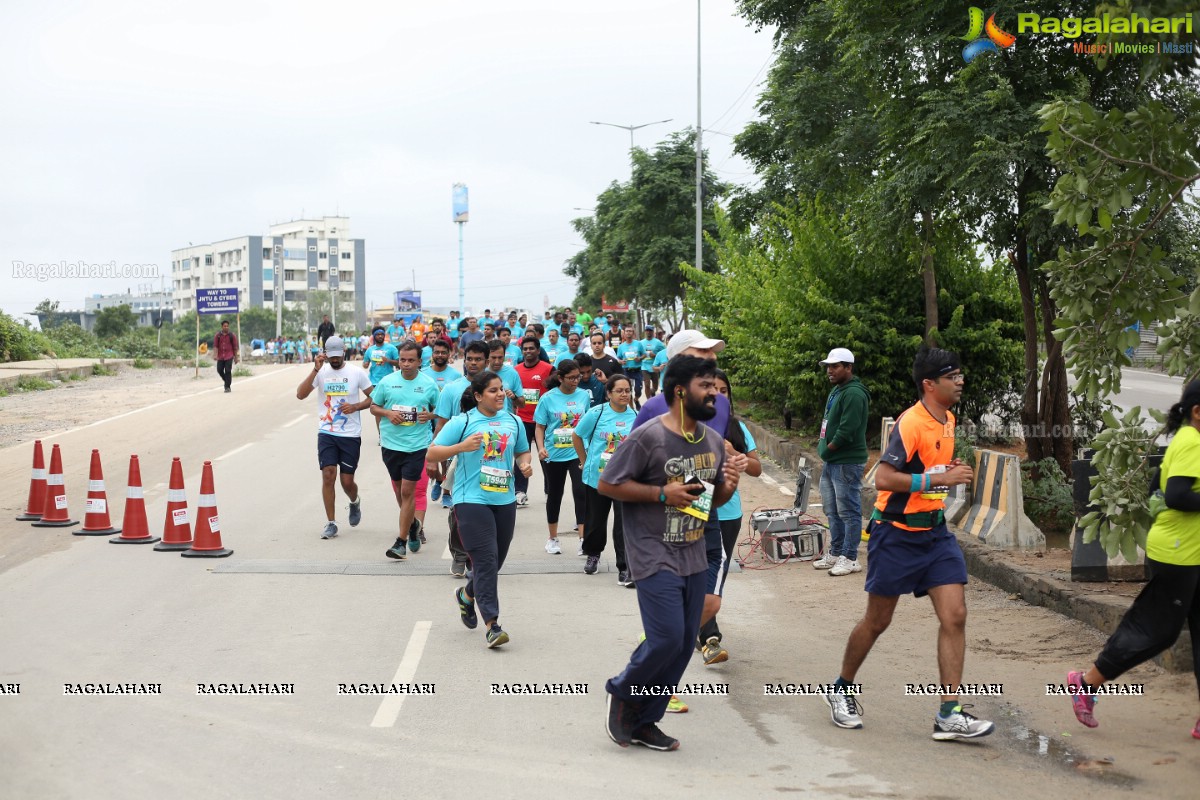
(301, 258)
(148, 305)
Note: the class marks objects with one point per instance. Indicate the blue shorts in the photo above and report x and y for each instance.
(900, 561)
(715, 550)
(338, 451)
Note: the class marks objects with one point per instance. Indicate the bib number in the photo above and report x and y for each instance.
(562, 437)
(604, 459)
(337, 388)
(408, 414)
(493, 479)
(531, 396)
(702, 505)
(940, 492)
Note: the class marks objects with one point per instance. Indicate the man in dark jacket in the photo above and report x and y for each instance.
(843, 448)
(324, 330)
(225, 350)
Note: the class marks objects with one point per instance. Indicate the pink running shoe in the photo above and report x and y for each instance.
(1082, 702)
(1196, 730)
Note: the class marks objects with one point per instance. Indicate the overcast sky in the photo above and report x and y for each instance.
(135, 128)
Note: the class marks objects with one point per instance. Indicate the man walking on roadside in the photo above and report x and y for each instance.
(324, 330)
(911, 550)
(670, 474)
(225, 348)
(843, 448)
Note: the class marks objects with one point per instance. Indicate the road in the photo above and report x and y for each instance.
(289, 608)
(1149, 390)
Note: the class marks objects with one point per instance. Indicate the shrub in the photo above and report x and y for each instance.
(1048, 499)
(30, 383)
(20, 342)
(101, 371)
(242, 372)
(68, 340)
(142, 363)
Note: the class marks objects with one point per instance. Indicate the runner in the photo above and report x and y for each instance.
(652, 346)
(559, 411)
(911, 550)
(596, 438)
(513, 390)
(396, 332)
(533, 373)
(572, 349)
(630, 353)
(380, 359)
(587, 379)
(452, 331)
(603, 364)
(339, 430)
(471, 334)
(668, 474)
(512, 353)
(554, 346)
(406, 399)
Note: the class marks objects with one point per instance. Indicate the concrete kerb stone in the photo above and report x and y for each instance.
(1103, 612)
(12, 372)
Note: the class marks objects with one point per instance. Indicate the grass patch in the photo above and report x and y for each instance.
(242, 372)
(101, 371)
(74, 376)
(30, 383)
(142, 363)
(205, 364)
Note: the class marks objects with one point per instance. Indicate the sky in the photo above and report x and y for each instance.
(135, 128)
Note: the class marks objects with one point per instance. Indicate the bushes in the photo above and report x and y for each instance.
(68, 340)
(19, 342)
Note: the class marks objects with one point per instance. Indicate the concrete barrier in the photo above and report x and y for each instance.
(996, 514)
(885, 430)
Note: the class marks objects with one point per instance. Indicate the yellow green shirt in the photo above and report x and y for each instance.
(1175, 536)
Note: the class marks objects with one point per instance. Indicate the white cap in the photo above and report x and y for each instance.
(839, 355)
(692, 338)
(334, 347)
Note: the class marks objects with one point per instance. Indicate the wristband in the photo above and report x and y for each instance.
(914, 484)
(662, 496)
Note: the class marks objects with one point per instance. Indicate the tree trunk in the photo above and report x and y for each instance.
(1056, 409)
(931, 298)
(1035, 445)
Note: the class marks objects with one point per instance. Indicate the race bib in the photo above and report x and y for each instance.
(337, 388)
(408, 414)
(494, 479)
(604, 459)
(531, 396)
(377, 357)
(562, 437)
(938, 492)
(702, 505)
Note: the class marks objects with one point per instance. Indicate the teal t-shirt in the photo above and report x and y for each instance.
(396, 393)
(651, 347)
(564, 355)
(485, 476)
(444, 378)
(374, 356)
(511, 380)
(560, 413)
(733, 506)
(449, 404)
(452, 327)
(426, 356)
(554, 350)
(630, 355)
(660, 360)
(513, 355)
(602, 429)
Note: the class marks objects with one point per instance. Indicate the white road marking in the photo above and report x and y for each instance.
(234, 451)
(297, 420)
(108, 419)
(389, 707)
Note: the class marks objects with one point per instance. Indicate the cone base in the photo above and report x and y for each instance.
(28, 517)
(172, 546)
(96, 531)
(222, 553)
(44, 523)
(142, 540)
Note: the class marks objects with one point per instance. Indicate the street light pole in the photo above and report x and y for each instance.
(699, 153)
(631, 129)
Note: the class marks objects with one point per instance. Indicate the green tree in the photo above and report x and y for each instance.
(644, 229)
(114, 321)
(50, 317)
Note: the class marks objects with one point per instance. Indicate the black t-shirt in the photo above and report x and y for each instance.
(608, 365)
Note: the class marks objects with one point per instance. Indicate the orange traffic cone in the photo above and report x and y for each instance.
(54, 511)
(136, 530)
(96, 521)
(37, 487)
(177, 532)
(208, 524)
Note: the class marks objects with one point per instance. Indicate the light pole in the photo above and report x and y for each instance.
(631, 129)
(699, 154)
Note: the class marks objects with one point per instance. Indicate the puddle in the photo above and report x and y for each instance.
(1015, 735)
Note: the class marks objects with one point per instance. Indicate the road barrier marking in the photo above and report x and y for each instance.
(389, 707)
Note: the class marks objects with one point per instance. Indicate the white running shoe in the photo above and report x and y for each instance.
(553, 548)
(581, 554)
(960, 725)
(825, 562)
(844, 709)
(845, 566)
(522, 499)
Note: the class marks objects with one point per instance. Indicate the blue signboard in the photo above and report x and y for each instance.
(461, 214)
(216, 301)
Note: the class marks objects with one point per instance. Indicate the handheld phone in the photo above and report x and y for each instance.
(693, 486)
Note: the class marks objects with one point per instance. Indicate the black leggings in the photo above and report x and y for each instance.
(595, 530)
(556, 473)
(486, 533)
(1153, 622)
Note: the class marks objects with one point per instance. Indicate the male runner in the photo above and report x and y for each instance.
(533, 373)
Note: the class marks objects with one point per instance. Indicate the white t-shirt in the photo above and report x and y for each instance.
(334, 387)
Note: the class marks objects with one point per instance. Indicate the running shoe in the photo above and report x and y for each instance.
(844, 566)
(960, 725)
(713, 652)
(416, 531)
(522, 499)
(397, 551)
(825, 562)
(435, 491)
(1196, 730)
(466, 609)
(330, 530)
(580, 552)
(553, 548)
(1083, 702)
(458, 569)
(676, 706)
(356, 512)
(414, 544)
(589, 567)
(649, 735)
(617, 721)
(623, 577)
(844, 709)
(496, 637)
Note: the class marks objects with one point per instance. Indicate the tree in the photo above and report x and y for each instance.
(114, 321)
(644, 229)
(50, 317)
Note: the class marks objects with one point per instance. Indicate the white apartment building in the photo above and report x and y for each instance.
(294, 259)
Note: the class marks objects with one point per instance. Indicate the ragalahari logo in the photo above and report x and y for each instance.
(993, 42)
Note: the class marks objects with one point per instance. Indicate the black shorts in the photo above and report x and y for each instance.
(404, 466)
(338, 451)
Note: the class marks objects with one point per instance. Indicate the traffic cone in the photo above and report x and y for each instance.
(207, 543)
(96, 521)
(136, 530)
(54, 510)
(177, 531)
(37, 487)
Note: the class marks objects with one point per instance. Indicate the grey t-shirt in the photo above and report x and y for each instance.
(659, 537)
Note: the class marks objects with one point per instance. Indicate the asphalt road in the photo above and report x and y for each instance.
(289, 608)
